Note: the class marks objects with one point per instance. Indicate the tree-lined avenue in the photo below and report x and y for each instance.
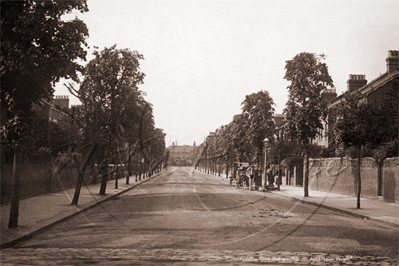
(186, 209)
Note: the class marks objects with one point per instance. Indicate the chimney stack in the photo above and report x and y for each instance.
(328, 95)
(355, 82)
(61, 100)
(392, 61)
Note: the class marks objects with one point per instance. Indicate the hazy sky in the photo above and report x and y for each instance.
(203, 57)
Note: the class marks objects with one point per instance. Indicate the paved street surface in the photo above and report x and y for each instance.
(186, 217)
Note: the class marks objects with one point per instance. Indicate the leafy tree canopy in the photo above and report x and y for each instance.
(258, 111)
(109, 92)
(37, 48)
(305, 108)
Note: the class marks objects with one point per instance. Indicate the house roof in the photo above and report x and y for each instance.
(369, 87)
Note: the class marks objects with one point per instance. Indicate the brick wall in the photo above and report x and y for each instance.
(390, 184)
(338, 175)
(38, 179)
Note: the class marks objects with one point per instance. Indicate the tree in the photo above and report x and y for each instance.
(37, 49)
(130, 122)
(240, 142)
(226, 146)
(258, 113)
(157, 148)
(146, 128)
(305, 109)
(110, 84)
(81, 169)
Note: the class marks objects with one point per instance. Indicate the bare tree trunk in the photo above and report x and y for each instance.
(279, 172)
(128, 165)
(379, 186)
(116, 173)
(212, 167)
(359, 180)
(213, 164)
(149, 169)
(141, 166)
(136, 166)
(104, 178)
(14, 207)
(82, 169)
(145, 169)
(306, 173)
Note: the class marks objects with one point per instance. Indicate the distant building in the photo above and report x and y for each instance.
(180, 155)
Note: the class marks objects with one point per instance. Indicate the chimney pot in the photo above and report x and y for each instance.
(355, 82)
(392, 61)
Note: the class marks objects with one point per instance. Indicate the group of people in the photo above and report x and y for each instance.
(245, 175)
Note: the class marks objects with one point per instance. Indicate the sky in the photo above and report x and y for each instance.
(201, 58)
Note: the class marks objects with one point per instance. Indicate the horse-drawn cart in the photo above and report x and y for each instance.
(246, 175)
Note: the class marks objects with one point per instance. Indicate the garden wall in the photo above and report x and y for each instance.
(38, 179)
(338, 175)
(390, 174)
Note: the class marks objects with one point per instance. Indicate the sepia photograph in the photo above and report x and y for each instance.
(199, 132)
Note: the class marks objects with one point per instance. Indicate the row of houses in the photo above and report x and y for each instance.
(339, 174)
(371, 92)
(377, 183)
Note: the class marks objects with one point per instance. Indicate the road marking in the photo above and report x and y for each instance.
(207, 209)
(195, 191)
(257, 233)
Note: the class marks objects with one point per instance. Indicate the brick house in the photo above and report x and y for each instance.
(337, 174)
(370, 92)
(378, 182)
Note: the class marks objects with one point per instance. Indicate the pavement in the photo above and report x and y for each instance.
(38, 213)
(372, 209)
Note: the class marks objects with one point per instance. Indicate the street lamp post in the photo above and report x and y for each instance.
(265, 141)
